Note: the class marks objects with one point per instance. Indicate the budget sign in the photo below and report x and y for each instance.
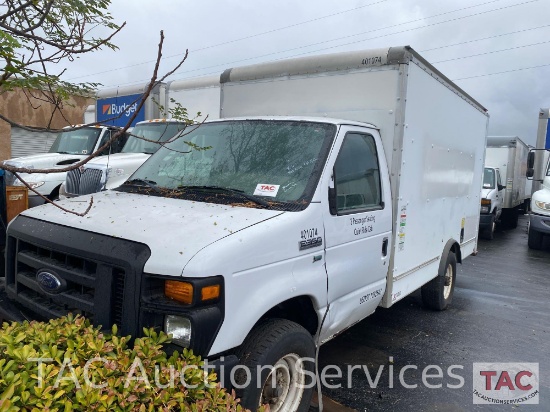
(117, 110)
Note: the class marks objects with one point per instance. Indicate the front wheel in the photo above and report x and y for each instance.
(276, 360)
(437, 294)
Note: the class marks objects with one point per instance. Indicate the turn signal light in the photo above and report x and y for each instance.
(210, 292)
(486, 202)
(180, 291)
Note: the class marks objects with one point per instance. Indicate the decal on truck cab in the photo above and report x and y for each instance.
(263, 189)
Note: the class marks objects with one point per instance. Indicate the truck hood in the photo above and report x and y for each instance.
(485, 193)
(174, 229)
(118, 160)
(45, 160)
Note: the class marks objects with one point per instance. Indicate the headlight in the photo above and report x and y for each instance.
(485, 205)
(542, 205)
(180, 329)
(32, 185)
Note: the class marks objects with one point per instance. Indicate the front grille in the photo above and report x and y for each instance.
(97, 276)
(84, 182)
(91, 288)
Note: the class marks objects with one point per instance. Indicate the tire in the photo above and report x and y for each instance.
(511, 218)
(437, 294)
(534, 239)
(281, 343)
(489, 233)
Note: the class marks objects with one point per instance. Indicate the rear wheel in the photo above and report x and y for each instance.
(534, 239)
(437, 294)
(279, 355)
(510, 218)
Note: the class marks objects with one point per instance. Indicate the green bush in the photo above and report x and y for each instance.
(76, 356)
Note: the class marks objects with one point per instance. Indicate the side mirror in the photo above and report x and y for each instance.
(531, 160)
(500, 187)
(530, 173)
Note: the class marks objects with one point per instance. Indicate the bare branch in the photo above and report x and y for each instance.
(55, 204)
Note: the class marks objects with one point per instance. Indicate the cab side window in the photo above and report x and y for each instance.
(357, 174)
(116, 146)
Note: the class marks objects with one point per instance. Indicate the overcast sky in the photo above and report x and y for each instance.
(470, 41)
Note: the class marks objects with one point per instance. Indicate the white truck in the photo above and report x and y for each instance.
(503, 193)
(71, 145)
(343, 184)
(195, 95)
(539, 170)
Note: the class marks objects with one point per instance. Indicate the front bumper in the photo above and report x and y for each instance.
(540, 223)
(485, 220)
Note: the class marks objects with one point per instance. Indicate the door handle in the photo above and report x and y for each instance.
(385, 247)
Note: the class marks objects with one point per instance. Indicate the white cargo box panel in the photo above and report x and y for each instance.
(434, 136)
(509, 155)
(196, 95)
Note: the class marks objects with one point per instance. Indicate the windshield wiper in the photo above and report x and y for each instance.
(236, 192)
(152, 184)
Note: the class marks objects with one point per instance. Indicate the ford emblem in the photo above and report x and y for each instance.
(50, 282)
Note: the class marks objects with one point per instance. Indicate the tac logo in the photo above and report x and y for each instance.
(106, 109)
(264, 189)
(506, 383)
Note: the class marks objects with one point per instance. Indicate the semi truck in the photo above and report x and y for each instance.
(539, 171)
(330, 186)
(71, 145)
(200, 95)
(503, 194)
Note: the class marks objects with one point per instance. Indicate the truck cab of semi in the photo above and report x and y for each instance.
(71, 145)
(108, 172)
(492, 195)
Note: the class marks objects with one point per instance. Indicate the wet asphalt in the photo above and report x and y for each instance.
(500, 313)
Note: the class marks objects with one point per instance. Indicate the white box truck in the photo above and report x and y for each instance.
(504, 180)
(72, 145)
(539, 170)
(199, 95)
(346, 182)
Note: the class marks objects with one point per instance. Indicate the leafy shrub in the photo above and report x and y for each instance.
(67, 364)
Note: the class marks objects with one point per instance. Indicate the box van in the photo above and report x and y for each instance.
(331, 185)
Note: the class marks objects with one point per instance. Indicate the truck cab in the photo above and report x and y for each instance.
(108, 172)
(539, 218)
(71, 145)
(492, 195)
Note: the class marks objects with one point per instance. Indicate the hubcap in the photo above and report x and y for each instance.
(448, 282)
(284, 387)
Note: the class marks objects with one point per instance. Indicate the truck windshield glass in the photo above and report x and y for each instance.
(81, 141)
(269, 161)
(489, 178)
(155, 132)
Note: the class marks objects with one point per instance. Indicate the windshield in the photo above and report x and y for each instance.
(489, 178)
(156, 132)
(273, 161)
(81, 141)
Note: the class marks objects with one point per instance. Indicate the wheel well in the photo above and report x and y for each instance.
(54, 194)
(299, 309)
(455, 248)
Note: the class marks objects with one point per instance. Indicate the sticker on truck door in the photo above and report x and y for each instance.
(402, 226)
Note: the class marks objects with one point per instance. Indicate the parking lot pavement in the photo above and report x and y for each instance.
(500, 313)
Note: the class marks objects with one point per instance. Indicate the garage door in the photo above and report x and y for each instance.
(25, 143)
